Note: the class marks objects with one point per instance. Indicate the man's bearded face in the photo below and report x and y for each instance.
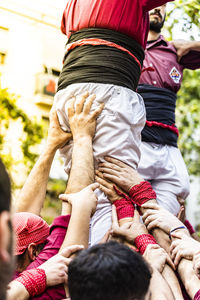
(157, 18)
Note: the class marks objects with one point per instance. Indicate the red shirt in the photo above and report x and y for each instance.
(162, 56)
(126, 16)
(54, 241)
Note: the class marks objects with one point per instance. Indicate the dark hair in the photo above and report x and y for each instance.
(21, 258)
(108, 271)
(5, 189)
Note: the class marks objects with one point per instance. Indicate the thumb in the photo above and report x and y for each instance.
(68, 251)
(94, 186)
(64, 197)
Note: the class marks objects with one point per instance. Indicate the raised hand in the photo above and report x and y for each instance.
(81, 121)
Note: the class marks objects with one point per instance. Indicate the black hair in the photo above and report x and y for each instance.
(5, 189)
(108, 271)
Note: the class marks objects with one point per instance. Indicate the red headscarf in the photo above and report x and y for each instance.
(29, 228)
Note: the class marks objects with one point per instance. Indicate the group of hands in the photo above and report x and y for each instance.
(110, 173)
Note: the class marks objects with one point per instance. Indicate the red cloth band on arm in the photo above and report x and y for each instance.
(142, 193)
(143, 240)
(125, 208)
(34, 281)
(189, 227)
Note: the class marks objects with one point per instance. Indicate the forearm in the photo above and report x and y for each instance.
(194, 45)
(159, 288)
(78, 229)
(16, 290)
(82, 171)
(188, 277)
(32, 195)
(171, 278)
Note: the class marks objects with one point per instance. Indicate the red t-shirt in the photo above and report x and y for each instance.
(126, 16)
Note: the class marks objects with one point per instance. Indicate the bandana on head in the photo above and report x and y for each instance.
(29, 228)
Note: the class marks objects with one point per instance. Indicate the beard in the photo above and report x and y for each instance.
(157, 26)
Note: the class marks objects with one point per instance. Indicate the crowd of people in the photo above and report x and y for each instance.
(122, 232)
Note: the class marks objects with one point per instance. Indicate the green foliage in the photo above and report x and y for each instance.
(52, 205)
(188, 120)
(32, 131)
(188, 102)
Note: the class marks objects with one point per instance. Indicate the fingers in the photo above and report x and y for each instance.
(115, 161)
(70, 107)
(152, 225)
(150, 205)
(88, 104)
(94, 186)
(170, 262)
(97, 112)
(81, 99)
(67, 252)
(106, 237)
(109, 167)
(149, 215)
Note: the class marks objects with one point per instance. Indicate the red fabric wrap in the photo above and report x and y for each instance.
(141, 193)
(125, 208)
(34, 281)
(158, 124)
(143, 240)
(98, 42)
(189, 227)
(197, 295)
(29, 228)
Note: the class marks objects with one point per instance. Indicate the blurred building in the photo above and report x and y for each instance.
(31, 51)
(31, 54)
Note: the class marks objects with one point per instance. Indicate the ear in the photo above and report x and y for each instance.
(5, 234)
(32, 251)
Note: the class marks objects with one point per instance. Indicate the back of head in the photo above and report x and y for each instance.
(29, 228)
(5, 193)
(108, 271)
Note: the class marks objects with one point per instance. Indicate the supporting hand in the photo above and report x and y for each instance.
(119, 173)
(81, 121)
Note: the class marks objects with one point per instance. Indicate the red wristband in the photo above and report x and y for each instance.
(142, 193)
(189, 227)
(34, 281)
(125, 208)
(143, 240)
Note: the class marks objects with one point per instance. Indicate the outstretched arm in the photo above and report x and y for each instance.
(184, 47)
(32, 195)
(82, 170)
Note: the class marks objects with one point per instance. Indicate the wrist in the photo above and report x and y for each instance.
(178, 228)
(81, 137)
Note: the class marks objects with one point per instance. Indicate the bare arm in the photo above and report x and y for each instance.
(184, 47)
(32, 195)
(82, 171)
(56, 270)
(82, 125)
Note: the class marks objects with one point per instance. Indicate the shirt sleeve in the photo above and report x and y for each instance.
(54, 241)
(150, 4)
(191, 60)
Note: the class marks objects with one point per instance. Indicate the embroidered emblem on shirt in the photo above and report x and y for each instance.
(175, 75)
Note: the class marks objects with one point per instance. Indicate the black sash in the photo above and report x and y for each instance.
(102, 64)
(160, 106)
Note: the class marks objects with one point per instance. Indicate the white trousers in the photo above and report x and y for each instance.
(164, 167)
(118, 134)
